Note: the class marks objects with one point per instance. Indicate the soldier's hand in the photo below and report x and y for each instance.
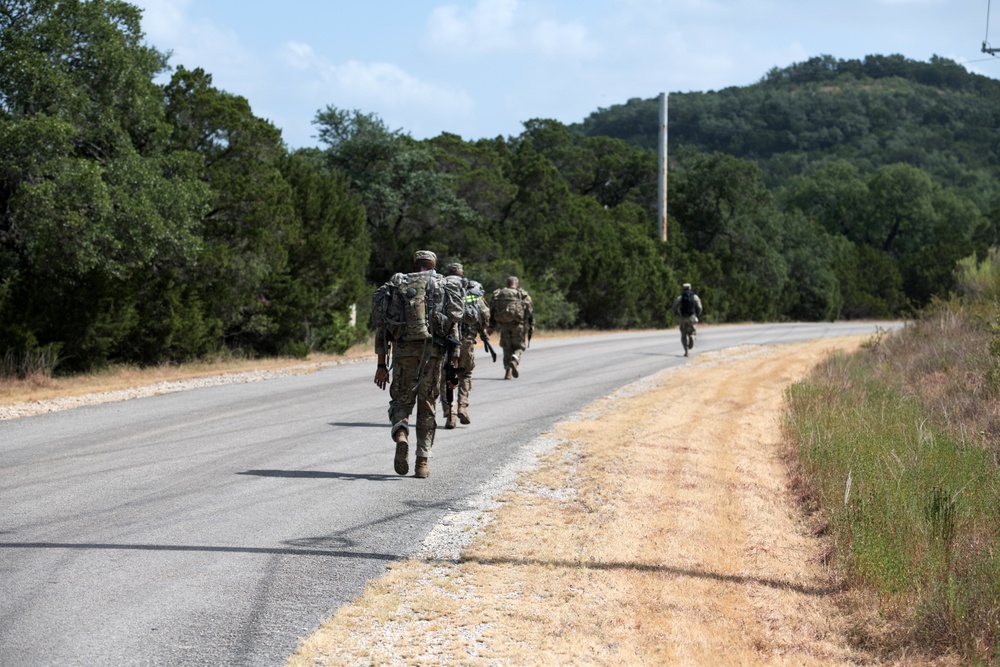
(489, 331)
(381, 377)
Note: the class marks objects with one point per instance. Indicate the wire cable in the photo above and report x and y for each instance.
(986, 39)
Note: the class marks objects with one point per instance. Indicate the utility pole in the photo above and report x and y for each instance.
(663, 168)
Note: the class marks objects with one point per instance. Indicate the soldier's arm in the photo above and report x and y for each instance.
(484, 316)
(380, 344)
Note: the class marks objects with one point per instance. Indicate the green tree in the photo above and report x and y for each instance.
(324, 281)
(409, 202)
(92, 199)
(725, 211)
(251, 222)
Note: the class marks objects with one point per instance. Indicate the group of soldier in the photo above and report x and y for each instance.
(442, 365)
(440, 362)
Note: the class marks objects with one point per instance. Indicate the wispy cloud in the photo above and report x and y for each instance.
(193, 42)
(383, 86)
(486, 28)
(505, 26)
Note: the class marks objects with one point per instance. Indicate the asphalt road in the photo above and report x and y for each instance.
(218, 526)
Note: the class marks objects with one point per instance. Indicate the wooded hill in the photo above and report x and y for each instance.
(898, 157)
(146, 223)
(873, 112)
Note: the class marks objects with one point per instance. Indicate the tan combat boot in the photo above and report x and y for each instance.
(421, 469)
(463, 415)
(400, 463)
(513, 367)
(450, 421)
(507, 376)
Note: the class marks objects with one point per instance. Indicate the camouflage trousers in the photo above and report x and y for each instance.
(513, 339)
(416, 380)
(688, 331)
(466, 362)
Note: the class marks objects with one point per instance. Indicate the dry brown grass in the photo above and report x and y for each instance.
(42, 387)
(660, 532)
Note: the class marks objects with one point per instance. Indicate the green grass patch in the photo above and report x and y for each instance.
(912, 510)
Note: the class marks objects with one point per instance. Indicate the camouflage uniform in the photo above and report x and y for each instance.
(417, 366)
(687, 322)
(416, 378)
(513, 335)
(466, 358)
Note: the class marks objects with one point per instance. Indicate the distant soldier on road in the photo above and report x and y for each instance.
(475, 323)
(688, 307)
(512, 312)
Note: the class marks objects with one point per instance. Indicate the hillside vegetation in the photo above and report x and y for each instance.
(150, 223)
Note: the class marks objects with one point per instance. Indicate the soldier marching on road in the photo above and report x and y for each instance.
(415, 316)
(473, 326)
(512, 313)
(687, 306)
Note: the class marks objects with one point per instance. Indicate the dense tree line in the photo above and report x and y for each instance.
(149, 222)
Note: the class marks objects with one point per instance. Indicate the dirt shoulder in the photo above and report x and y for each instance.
(659, 530)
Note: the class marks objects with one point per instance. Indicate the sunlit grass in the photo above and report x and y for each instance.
(910, 504)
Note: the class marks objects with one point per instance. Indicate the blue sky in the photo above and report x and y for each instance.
(480, 68)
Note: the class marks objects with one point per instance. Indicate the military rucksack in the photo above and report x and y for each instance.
(688, 306)
(472, 313)
(508, 306)
(417, 306)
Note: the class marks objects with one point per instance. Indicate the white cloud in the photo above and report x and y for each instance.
(505, 26)
(484, 29)
(387, 84)
(299, 56)
(571, 39)
(197, 42)
(382, 87)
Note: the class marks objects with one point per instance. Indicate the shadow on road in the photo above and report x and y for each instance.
(318, 474)
(280, 551)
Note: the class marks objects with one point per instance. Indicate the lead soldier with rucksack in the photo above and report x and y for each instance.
(473, 327)
(415, 316)
(688, 308)
(512, 313)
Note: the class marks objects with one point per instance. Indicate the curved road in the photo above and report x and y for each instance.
(217, 526)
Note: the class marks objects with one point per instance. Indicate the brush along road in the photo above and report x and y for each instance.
(220, 525)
